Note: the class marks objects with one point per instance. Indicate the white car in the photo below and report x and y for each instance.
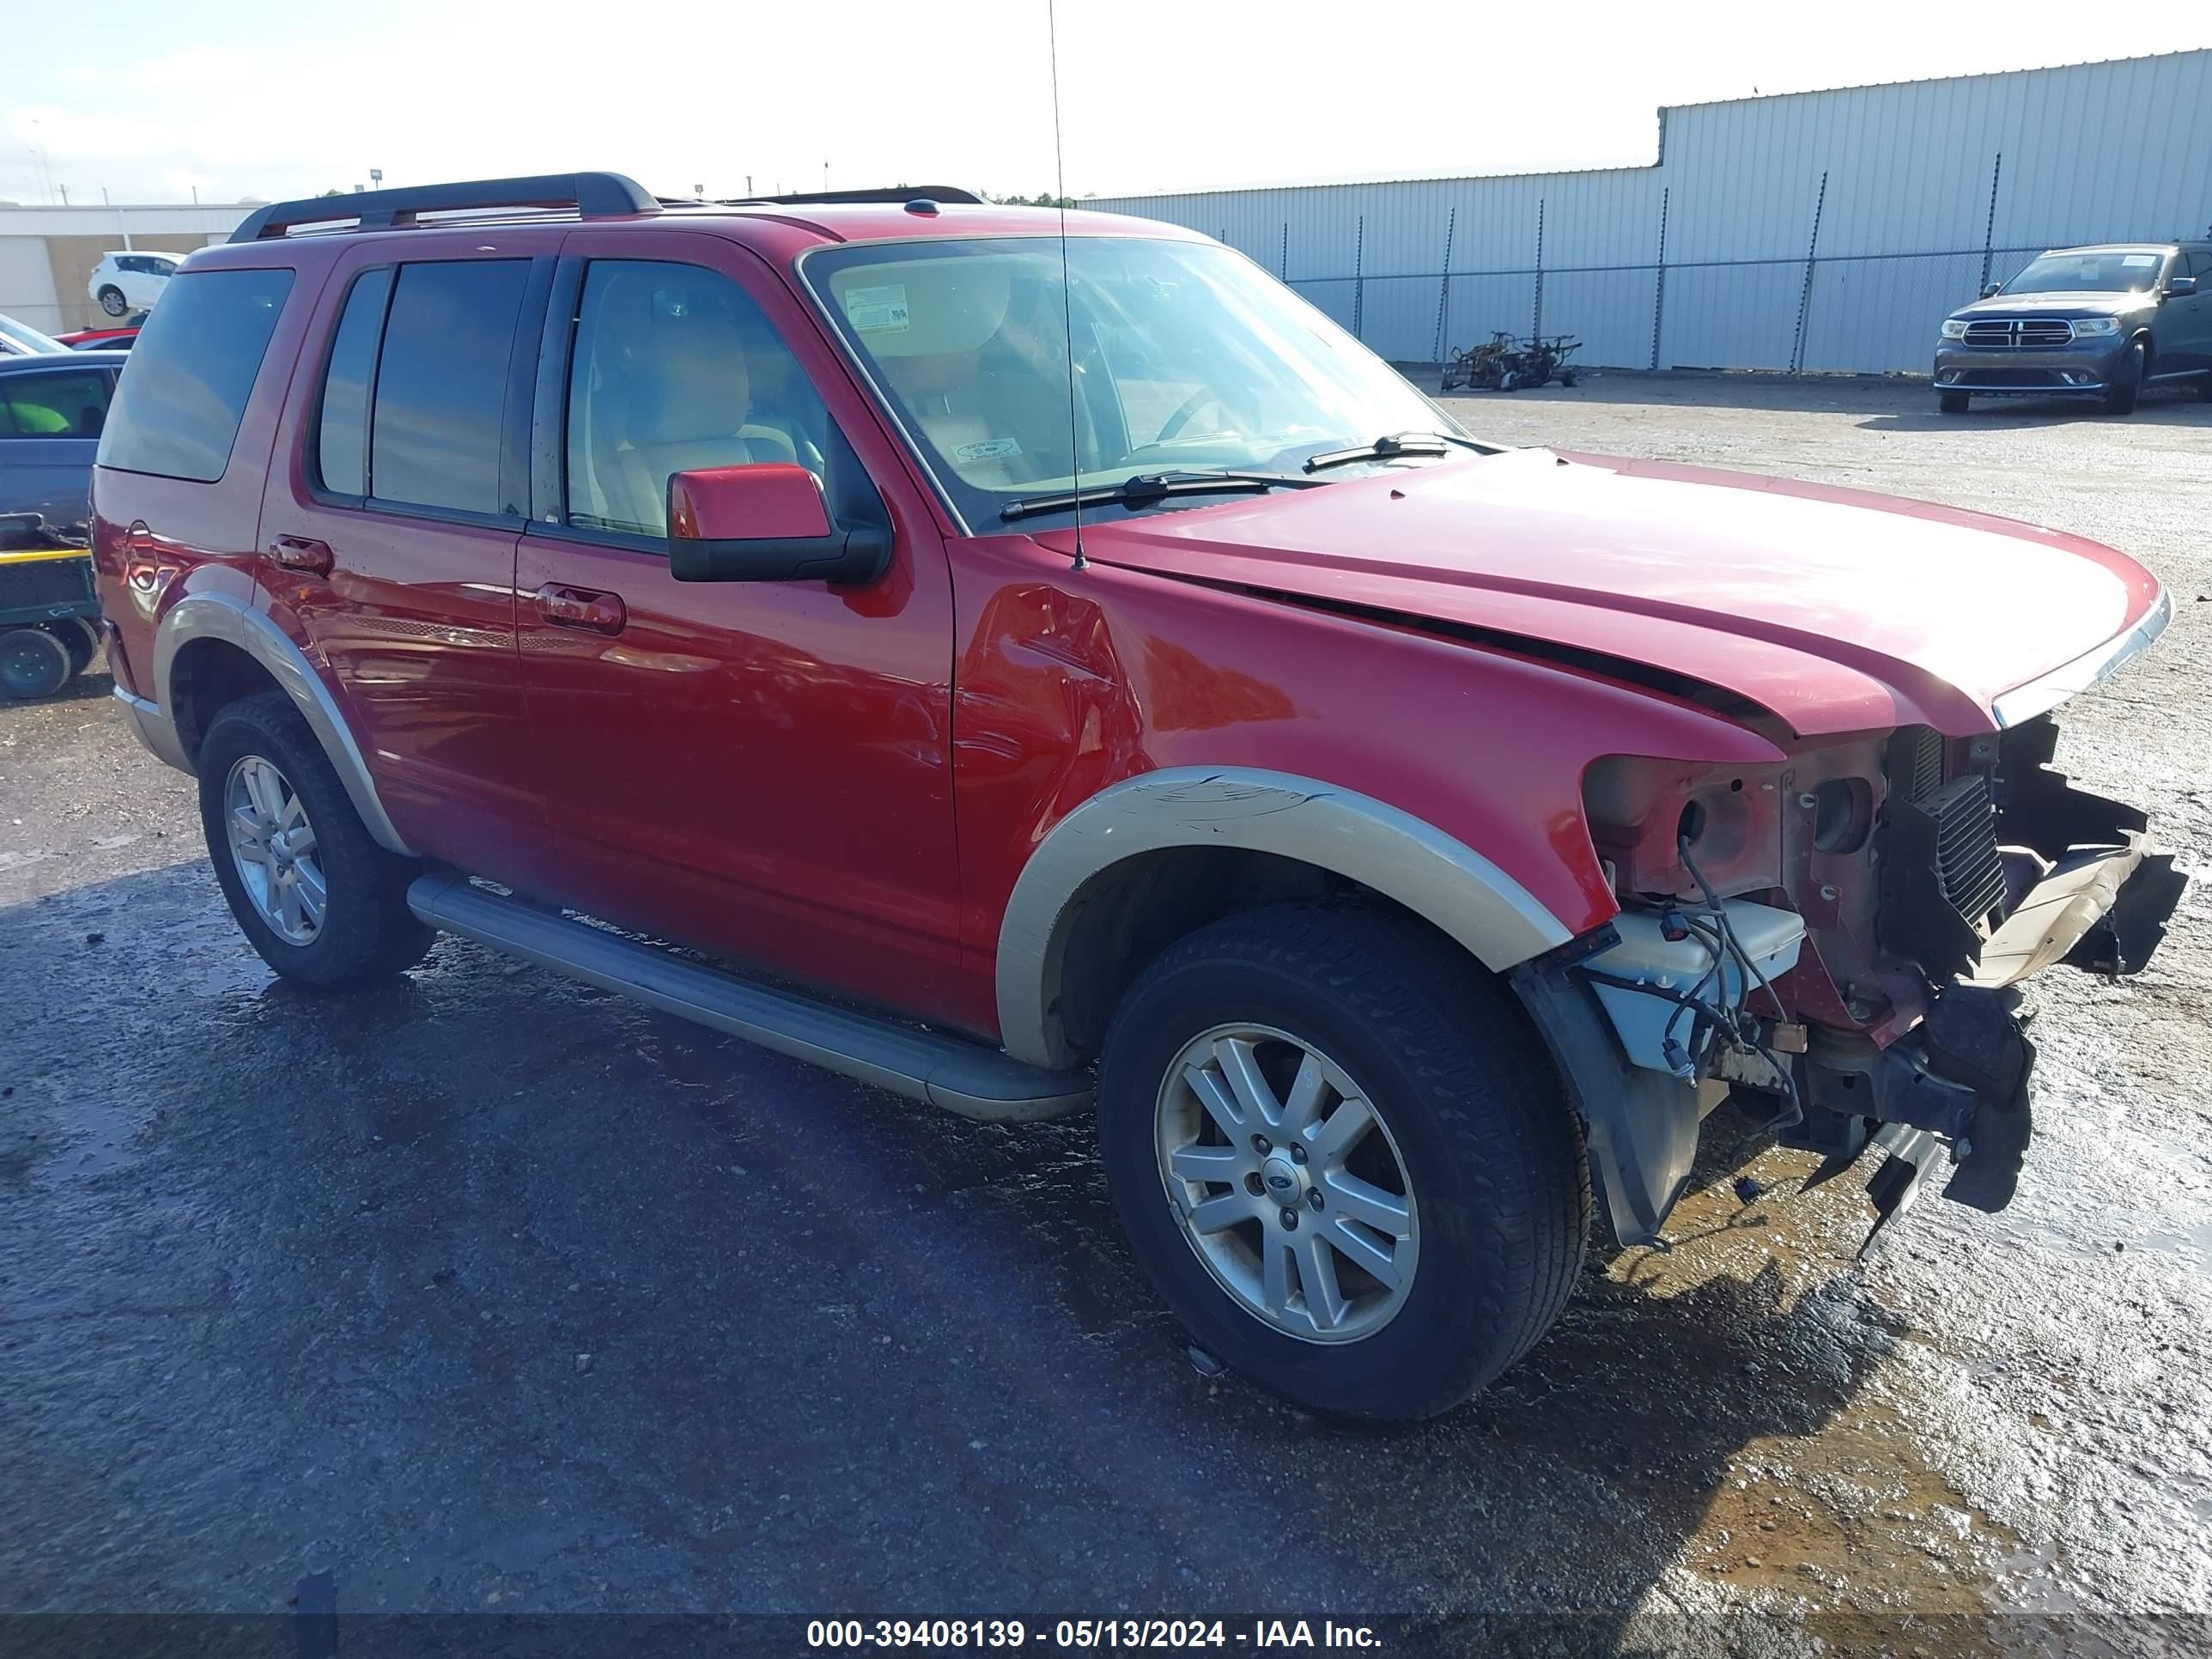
(127, 281)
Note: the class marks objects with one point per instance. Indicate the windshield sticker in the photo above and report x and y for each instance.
(986, 449)
(2136, 261)
(875, 309)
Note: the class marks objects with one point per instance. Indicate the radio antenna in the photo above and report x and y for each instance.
(1066, 294)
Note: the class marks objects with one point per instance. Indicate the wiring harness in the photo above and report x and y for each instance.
(1715, 1019)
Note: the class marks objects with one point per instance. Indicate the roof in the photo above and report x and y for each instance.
(1665, 113)
(779, 230)
(873, 222)
(25, 361)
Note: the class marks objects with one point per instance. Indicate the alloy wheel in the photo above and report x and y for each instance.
(1287, 1182)
(272, 843)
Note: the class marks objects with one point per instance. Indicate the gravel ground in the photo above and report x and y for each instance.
(486, 1292)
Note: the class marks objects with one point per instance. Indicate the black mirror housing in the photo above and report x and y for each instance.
(2180, 288)
(1990, 290)
(849, 556)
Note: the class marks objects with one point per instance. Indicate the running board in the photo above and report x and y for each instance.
(961, 1077)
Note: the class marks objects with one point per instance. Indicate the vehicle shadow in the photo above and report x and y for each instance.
(2179, 406)
(482, 1289)
(91, 685)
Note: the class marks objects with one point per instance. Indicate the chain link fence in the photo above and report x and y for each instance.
(1837, 313)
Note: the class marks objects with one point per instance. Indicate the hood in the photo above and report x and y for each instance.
(1837, 609)
(2059, 305)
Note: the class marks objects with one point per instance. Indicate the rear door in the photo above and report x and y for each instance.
(759, 768)
(50, 426)
(389, 536)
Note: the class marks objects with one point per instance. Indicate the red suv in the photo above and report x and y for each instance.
(1018, 664)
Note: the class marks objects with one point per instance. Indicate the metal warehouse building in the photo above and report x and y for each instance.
(1816, 231)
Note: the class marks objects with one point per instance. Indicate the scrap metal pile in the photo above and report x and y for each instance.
(1504, 364)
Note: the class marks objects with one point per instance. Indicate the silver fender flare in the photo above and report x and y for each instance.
(217, 615)
(1346, 833)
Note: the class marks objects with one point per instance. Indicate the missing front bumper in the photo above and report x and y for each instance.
(1962, 1077)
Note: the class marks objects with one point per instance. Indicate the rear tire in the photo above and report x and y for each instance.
(1474, 1161)
(112, 303)
(262, 773)
(33, 664)
(2126, 383)
(1954, 402)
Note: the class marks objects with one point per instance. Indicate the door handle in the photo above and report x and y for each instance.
(581, 607)
(302, 553)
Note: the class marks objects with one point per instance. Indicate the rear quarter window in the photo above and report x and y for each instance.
(193, 368)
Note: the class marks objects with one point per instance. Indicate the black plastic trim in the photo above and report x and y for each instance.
(549, 424)
(590, 195)
(514, 431)
(900, 194)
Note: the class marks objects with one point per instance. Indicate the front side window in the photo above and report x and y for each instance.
(2108, 271)
(53, 405)
(441, 382)
(1186, 357)
(674, 368)
(193, 368)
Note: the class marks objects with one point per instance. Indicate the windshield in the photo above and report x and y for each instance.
(1188, 358)
(16, 338)
(2113, 271)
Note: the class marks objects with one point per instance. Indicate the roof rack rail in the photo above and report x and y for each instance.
(895, 193)
(592, 195)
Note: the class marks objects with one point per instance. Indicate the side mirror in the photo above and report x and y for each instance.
(2180, 288)
(1990, 290)
(765, 522)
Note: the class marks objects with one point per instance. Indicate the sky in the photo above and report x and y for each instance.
(244, 99)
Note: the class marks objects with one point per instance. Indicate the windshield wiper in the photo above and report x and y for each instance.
(1150, 487)
(1394, 444)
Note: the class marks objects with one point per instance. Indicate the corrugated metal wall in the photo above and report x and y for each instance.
(1823, 230)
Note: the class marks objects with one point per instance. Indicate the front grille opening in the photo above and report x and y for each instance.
(1941, 876)
(1914, 762)
(2027, 332)
(1967, 867)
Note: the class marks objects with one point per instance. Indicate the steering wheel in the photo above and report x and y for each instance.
(1250, 413)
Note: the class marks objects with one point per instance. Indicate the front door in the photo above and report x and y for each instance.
(761, 768)
(390, 536)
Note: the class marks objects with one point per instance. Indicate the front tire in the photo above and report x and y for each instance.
(315, 896)
(2126, 383)
(1343, 1159)
(112, 303)
(1954, 402)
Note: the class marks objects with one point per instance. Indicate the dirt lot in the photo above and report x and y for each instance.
(484, 1291)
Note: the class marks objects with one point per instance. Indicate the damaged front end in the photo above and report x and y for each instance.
(1842, 940)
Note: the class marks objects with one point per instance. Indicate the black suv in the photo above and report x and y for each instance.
(2100, 322)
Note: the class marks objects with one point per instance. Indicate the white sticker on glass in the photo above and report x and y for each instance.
(986, 449)
(874, 309)
(2136, 261)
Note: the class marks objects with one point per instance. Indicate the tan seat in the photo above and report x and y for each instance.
(666, 393)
